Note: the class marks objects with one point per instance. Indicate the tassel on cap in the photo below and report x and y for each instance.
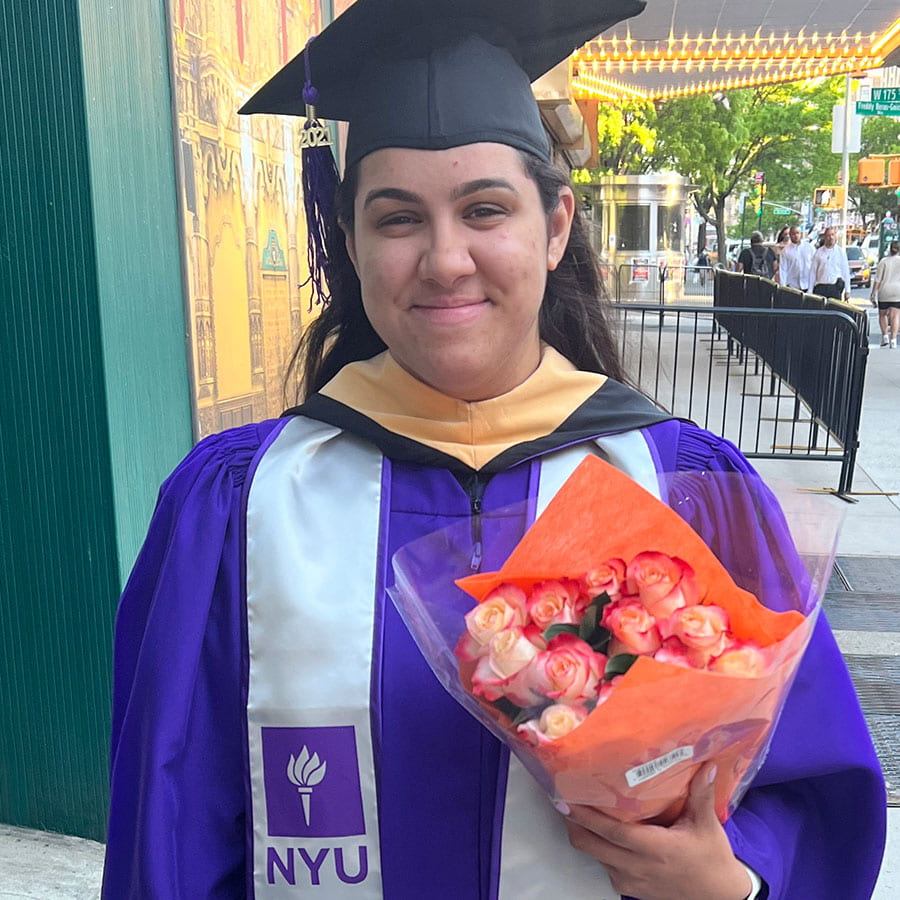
(320, 181)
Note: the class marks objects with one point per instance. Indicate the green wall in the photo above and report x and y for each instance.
(95, 408)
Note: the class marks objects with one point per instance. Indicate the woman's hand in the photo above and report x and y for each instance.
(688, 860)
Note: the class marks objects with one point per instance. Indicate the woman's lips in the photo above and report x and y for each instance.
(452, 311)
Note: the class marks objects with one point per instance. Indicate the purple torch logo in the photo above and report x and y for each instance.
(306, 771)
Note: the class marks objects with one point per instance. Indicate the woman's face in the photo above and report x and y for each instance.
(452, 248)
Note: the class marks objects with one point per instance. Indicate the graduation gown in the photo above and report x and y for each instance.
(277, 733)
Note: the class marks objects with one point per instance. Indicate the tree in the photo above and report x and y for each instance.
(720, 141)
(626, 138)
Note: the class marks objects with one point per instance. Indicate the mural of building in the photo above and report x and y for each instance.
(244, 234)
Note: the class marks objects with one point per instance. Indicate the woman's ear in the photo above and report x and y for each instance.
(560, 224)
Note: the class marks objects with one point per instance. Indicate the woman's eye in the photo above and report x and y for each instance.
(397, 220)
(484, 212)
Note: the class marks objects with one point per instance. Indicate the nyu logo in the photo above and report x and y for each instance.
(319, 764)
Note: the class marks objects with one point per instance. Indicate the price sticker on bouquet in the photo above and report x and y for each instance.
(646, 771)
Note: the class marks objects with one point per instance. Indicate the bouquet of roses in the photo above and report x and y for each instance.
(549, 656)
(615, 662)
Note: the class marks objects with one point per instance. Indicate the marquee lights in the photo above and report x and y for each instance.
(718, 62)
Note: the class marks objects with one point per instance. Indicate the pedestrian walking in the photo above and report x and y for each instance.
(463, 360)
(757, 259)
(886, 293)
(796, 260)
(830, 269)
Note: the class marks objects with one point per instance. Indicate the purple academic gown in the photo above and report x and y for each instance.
(812, 824)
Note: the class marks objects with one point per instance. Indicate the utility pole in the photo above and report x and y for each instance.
(845, 160)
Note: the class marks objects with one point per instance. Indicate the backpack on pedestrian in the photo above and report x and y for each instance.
(762, 263)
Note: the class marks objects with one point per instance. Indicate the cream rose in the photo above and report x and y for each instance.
(745, 659)
(664, 583)
(510, 651)
(555, 721)
(633, 628)
(569, 670)
(702, 629)
(608, 577)
(502, 608)
(553, 603)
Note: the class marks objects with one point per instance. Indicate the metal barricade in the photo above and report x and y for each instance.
(778, 383)
(638, 282)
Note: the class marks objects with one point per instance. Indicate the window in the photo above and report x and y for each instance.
(668, 228)
(633, 227)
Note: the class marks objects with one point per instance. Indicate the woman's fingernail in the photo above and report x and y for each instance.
(562, 807)
(711, 775)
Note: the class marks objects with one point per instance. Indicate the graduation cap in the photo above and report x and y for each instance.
(428, 74)
(433, 74)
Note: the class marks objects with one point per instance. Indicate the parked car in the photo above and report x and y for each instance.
(860, 267)
(870, 249)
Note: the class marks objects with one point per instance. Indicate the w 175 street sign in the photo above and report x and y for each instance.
(883, 101)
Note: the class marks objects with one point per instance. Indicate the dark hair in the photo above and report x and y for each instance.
(894, 248)
(782, 234)
(572, 318)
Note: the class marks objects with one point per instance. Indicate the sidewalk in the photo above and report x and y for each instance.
(864, 604)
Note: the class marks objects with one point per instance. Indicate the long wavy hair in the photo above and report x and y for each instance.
(573, 317)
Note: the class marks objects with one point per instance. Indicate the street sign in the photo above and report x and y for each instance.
(884, 101)
(782, 211)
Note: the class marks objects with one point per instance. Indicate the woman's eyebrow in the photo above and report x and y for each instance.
(391, 194)
(463, 190)
(481, 184)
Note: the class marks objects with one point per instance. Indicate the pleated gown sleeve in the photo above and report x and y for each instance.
(177, 811)
(813, 822)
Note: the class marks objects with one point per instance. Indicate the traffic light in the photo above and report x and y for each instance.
(894, 173)
(759, 191)
(871, 171)
(829, 197)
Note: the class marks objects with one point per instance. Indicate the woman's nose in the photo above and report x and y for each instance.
(447, 256)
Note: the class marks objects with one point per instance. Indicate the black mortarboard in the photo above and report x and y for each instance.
(434, 74)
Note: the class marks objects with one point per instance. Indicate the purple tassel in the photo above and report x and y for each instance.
(320, 181)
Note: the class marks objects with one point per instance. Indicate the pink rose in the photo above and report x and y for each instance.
(745, 659)
(509, 653)
(633, 628)
(664, 583)
(553, 603)
(503, 607)
(608, 577)
(568, 670)
(702, 629)
(675, 653)
(556, 721)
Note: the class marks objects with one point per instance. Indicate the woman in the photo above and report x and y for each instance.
(886, 293)
(463, 364)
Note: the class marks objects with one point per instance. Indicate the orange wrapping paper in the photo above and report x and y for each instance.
(657, 708)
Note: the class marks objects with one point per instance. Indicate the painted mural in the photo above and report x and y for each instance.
(245, 239)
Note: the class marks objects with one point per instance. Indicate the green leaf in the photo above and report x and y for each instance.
(600, 639)
(618, 665)
(556, 630)
(588, 624)
(508, 708)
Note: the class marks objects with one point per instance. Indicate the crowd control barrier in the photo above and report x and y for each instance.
(777, 372)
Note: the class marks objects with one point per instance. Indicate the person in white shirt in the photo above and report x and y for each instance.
(796, 259)
(830, 271)
(886, 292)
